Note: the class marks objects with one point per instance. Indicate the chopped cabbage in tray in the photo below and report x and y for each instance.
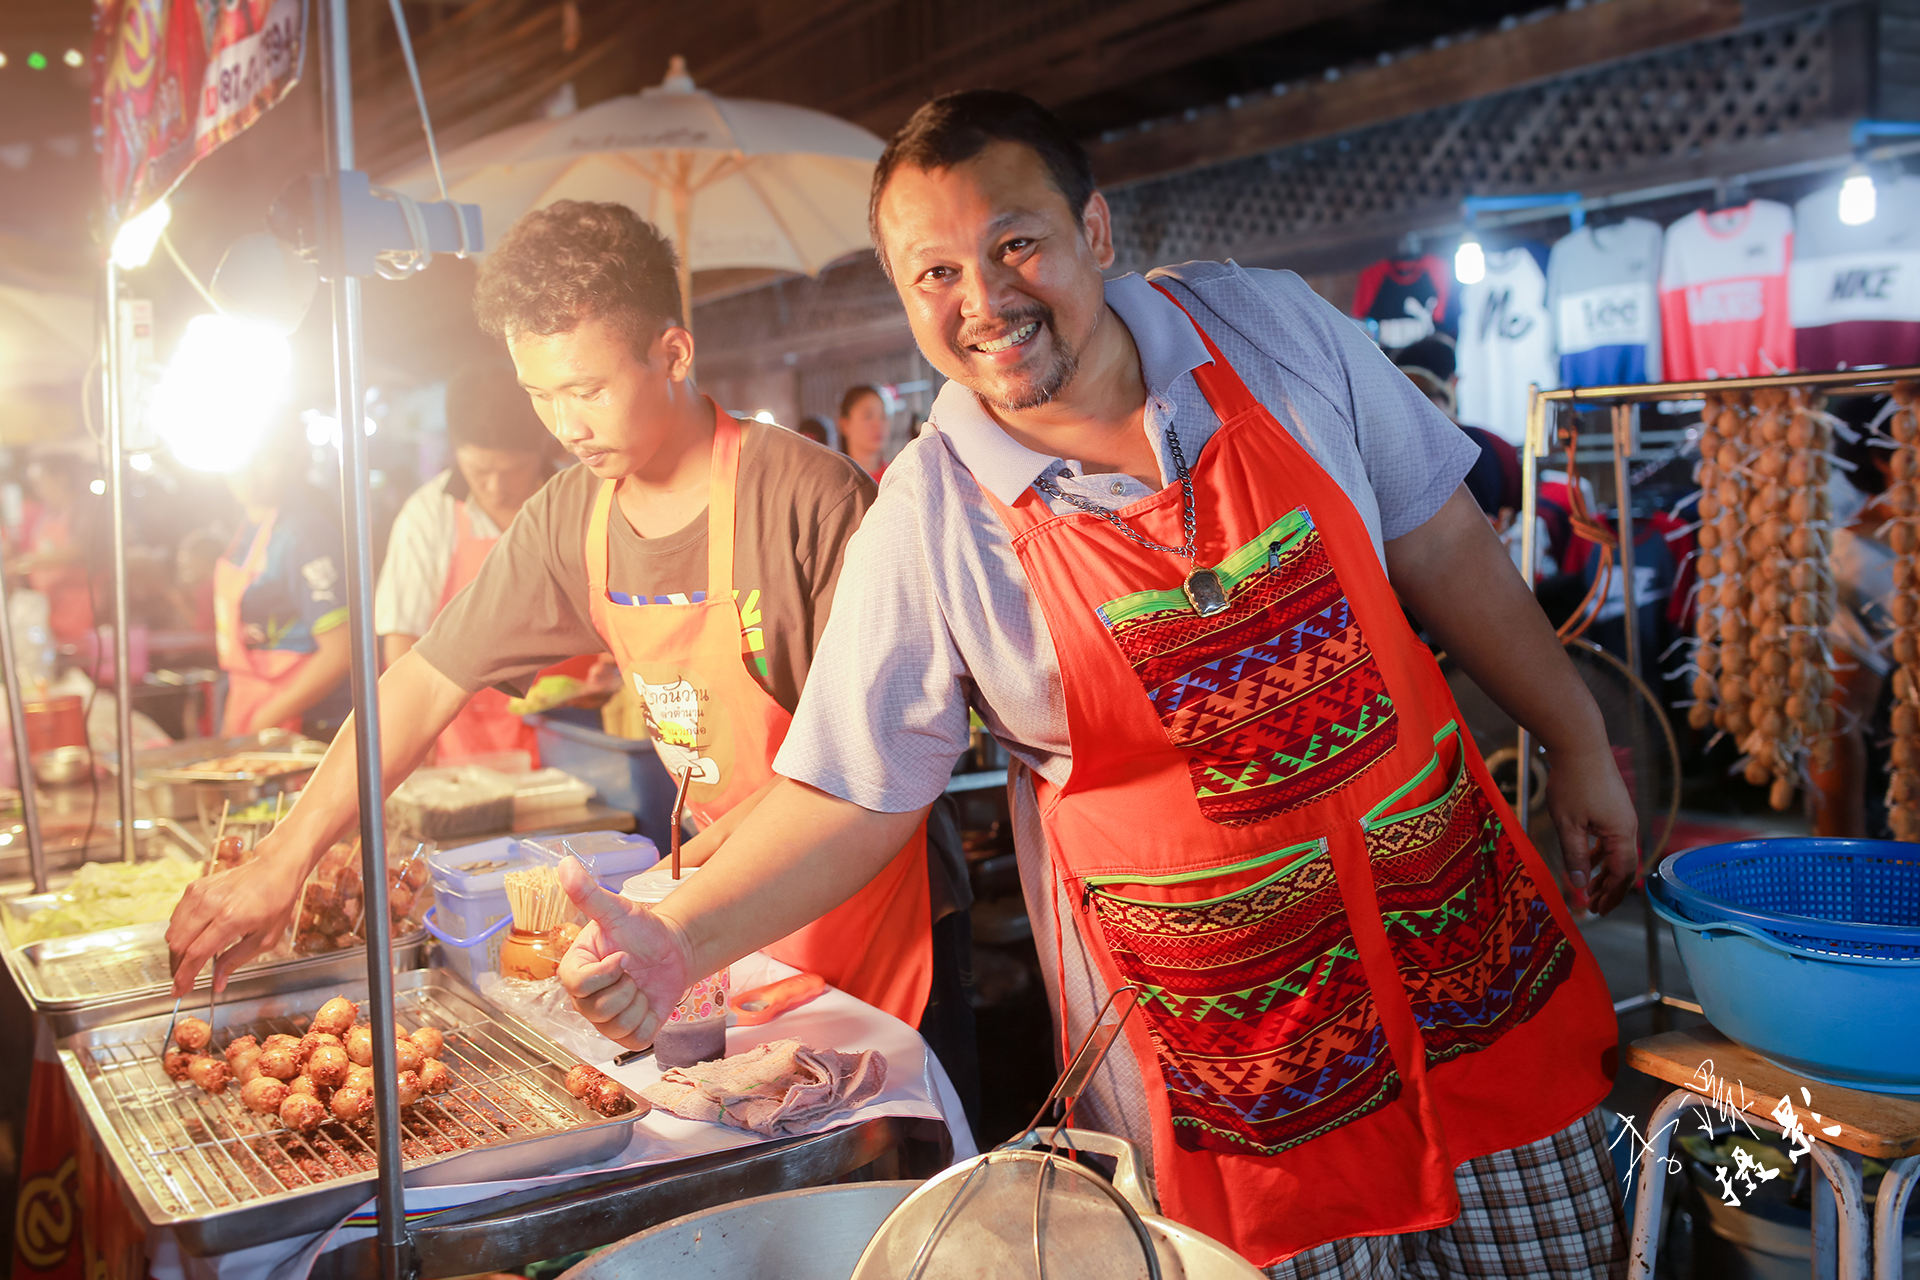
(107, 895)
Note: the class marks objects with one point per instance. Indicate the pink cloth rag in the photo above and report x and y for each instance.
(776, 1090)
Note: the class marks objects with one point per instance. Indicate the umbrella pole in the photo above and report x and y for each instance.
(682, 229)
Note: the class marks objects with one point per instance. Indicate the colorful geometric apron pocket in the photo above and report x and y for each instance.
(1259, 1010)
(1477, 947)
(1276, 701)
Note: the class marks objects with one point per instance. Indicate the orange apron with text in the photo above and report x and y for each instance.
(711, 716)
(252, 674)
(1358, 973)
(485, 725)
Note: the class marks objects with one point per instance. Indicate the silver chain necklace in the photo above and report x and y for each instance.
(1204, 590)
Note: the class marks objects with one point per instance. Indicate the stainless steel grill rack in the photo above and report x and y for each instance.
(224, 1179)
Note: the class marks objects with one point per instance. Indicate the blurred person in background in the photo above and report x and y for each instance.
(863, 428)
(55, 532)
(502, 455)
(279, 595)
(816, 429)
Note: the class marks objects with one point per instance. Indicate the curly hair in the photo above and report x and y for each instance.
(575, 261)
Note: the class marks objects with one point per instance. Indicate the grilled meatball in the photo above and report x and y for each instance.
(313, 1040)
(582, 1078)
(360, 1046)
(430, 1040)
(328, 1066)
(281, 1061)
(239, 1045)
(360, 1078)
(302, 1113)
(407, 1055)
(176, 1064)
(608, 1098)
(434, 1076)
(336, 1016)
(192, 1034)
(280, 1037)
(304, 1084)
(352, 1104)
(210, 1074)
(245, 1065)
(410, 1088)
(264, 1094)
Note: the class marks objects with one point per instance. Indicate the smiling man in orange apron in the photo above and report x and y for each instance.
(502, 455)
(702, 552)
(1159, 542)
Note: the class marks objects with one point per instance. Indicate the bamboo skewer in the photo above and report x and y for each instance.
(538, 902)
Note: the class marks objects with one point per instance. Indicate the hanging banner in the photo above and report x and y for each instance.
(174, 79)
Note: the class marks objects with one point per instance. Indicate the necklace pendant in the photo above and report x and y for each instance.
(1205, 592)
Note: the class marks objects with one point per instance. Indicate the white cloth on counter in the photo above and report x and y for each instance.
(917, 1086)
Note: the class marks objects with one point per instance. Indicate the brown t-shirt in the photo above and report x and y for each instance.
(796, 505)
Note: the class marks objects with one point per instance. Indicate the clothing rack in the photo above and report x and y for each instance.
(1624, 402)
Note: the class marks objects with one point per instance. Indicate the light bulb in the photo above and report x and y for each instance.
(133, 243)
(221, 391)
(1857, 197)
(1469, 262)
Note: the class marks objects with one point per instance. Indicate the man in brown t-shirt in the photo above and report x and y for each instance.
(586, 298)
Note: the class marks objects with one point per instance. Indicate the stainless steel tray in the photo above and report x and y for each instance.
(154, 839)
(92, 979)
(223, 1179)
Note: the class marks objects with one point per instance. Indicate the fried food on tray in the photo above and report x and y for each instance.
(360, 1078)
(328, 1066)
(582, 1078)
(304, 1084)
(239, 1045)
(434, 1076)
(607, 1097)
(352, 1104)
(360, 1046)
(302, 1112)
(406, 1054)
(245, 1066)
(192, 1034)
(336, 1016)
(176, 1064)
(314, 1040)
(281, 1061)
(430, 1040)
(263, 1095)
(210, 1074)
(411, 1090)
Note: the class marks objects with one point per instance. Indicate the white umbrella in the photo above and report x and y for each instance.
(739, 183)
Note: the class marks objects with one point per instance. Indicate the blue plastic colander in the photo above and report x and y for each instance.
(1805, 950)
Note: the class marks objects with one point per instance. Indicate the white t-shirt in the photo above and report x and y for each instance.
(419, 554)
(1854, 292)
(1506, 343)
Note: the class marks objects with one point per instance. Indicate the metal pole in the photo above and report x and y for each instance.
(1623, 421)
(23, 765)
(1534, 448)
(337, 89)
(117, 496)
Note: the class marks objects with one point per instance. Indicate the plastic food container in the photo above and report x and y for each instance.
(1805, 950)
(610, 856)
(696, 1031)
(441, 804)
(545, 791)
(470, 916)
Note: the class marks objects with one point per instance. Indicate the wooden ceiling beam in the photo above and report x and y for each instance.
(1172, 42)
(1568, 41)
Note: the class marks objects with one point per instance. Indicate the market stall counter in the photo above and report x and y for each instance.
(545, 1177)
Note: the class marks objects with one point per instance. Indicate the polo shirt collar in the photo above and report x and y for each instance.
(1170, 348)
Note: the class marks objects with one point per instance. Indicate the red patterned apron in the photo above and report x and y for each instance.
(1359, 973)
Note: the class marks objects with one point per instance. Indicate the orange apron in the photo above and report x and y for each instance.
(1358, 972)
(252, 674)
(484, 725)
(712, 716)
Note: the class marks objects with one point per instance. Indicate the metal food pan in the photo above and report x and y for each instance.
(116, 975)
(154, 839)
(223, 1179)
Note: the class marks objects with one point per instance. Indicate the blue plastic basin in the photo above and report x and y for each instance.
(1844, 1010)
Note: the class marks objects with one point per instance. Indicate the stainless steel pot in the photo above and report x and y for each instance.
(820, 1233)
